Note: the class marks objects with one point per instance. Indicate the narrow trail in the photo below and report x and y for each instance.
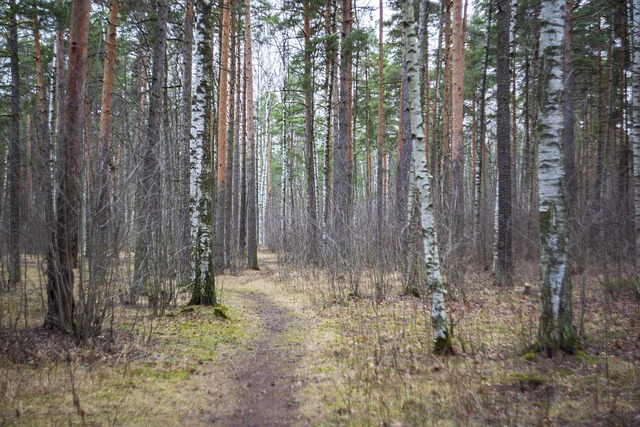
(261, 383)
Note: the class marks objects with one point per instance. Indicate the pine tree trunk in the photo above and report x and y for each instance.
(184, 272)
(15, 163)
(342, 187)
(442, 340)
(635, 135)
(556, 328)
(457, 207)
(60, 277)
(503, 266)
(221, 173)
(43, 133)
(381, 127)
(252, 226)
(309, 139)
(233, 82)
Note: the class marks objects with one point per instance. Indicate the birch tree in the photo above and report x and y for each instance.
(556, 329)
(202, 263)
(442, 340)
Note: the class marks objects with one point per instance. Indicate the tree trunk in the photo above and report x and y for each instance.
(342, 154)
(252, 229)
(381, 128)
(329, 80)
(556, 328)
(442, 340)
(231, 137)
(43, 133)
(15, 163)
(457, 207)
(184, 272)
(503, 266)
(307, 84)
(202, 263)
(636, 131)
(221, 175)
(102, 234)
(60, 277)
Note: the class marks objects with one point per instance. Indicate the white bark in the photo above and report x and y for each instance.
(200, 182)
(555, 321)
(423, 182)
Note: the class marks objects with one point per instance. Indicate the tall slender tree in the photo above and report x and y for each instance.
(252, 225)
(14, 152)
(202, 268)
(636, 130)
(60, 276)
(442, 339)
(223, 101)
(556, 328)
(342, 185)
(307, 84)
(503, 266)
(185, 167)
(149, 228)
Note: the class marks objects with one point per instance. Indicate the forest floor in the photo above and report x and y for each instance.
(299, 348)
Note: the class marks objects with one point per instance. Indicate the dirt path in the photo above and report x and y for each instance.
(261, 383)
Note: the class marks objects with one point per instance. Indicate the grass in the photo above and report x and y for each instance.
(362, 363)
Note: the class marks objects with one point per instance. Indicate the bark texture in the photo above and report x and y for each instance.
(60, 277)
(252, 225)
(503, 265)
(15, 164)
(556, 329)
(202, 268)
(442, 340)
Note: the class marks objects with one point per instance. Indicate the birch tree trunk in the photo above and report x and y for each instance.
(60, 277)
(556, 329)
(442, 340)
(252, 230)
(202, 263)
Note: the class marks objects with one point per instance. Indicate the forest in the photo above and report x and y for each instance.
(320, 212)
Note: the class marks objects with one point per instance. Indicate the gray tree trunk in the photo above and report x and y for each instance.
(14, 175)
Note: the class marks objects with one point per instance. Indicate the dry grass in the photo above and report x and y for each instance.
(379, 369)
(360, 363)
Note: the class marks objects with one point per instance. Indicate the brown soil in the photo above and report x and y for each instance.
(261, 383)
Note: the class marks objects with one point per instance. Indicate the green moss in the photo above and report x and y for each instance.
(530, 356)
(152, 373)
(443, 346)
